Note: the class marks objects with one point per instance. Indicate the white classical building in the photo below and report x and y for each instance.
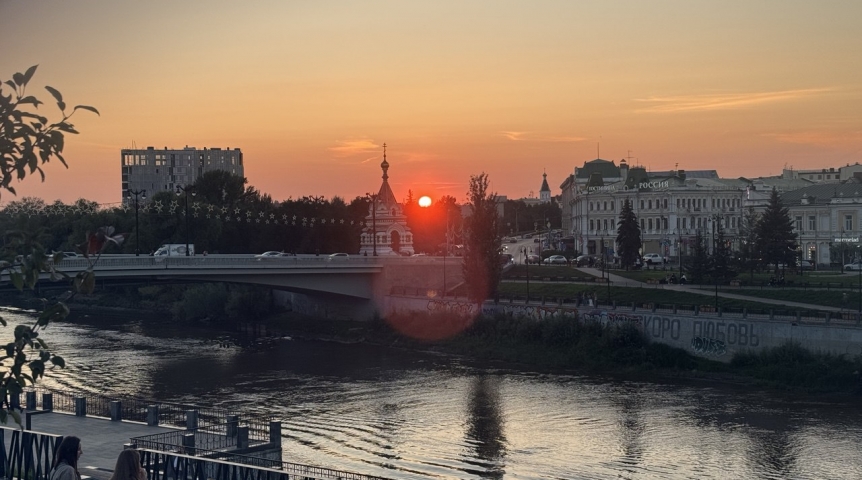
(826, 218)
(671, 207)
(156, 171)
(386, 231)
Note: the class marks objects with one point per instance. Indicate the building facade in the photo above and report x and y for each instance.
(156, 171)
(671, 207)
(826, 219)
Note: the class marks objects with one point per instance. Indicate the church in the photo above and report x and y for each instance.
(386, 231)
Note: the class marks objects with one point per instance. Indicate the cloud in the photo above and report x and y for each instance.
(825, 139)
(349, 148)
(726, 101)
(530, 137)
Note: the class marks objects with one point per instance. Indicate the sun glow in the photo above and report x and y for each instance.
(425, 201)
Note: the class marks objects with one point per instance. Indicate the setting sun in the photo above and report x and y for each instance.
(425, 201)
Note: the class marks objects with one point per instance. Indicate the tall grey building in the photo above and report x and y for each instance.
(163, 170)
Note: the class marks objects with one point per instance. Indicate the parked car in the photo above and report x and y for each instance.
(534, 259)
(585, 260)
(556, 260)
(653, 259)
(338, 257)
(853, 266)
(537, 240)
(805, 265)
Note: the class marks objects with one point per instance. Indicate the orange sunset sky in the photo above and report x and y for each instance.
(311, 90)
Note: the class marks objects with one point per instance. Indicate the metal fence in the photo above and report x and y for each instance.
(208, 438)
(28, 455)
(175, 466)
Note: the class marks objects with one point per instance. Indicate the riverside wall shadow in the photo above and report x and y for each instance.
(704, 335)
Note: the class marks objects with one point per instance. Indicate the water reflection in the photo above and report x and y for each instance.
(632, 428)
(485, 424)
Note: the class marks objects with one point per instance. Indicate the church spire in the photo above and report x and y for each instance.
(385, 165)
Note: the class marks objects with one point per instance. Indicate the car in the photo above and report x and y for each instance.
(556, 260)
(534, 259)
(512, 240)
(270, 254)
(853, 266)
(537, 240)
(653, 259)
(585, 260)
(338, 257)
(805, 265)
(506, 258)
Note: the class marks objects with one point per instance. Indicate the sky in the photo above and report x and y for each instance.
(310, 91)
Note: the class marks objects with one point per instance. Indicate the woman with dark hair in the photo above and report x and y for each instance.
(66, 460)
(129, 466)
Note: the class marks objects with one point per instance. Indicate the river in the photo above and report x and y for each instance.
(412, 415)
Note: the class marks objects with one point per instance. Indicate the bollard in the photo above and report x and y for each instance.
(191, 419)
(744, 312)
(653, 307)
(696, 310)
(275, 432)
(30, 400)
(674, 309)
(614, 304)
(116, 408)
(48, 401)
(232, 423)
(242, 437)
(798, 316)
(80, 407)
(15, 401)
(718, 311)
(771, 314)
(152, 415)
(189, 443)
(634, 307)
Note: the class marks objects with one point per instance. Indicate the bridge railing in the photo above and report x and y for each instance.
(209, 261)
(26, 455)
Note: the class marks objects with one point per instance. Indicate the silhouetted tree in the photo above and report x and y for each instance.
(698, 267)
(628, 235)
(776, 238)
(748, 254)
(721, 269)
(482, 268)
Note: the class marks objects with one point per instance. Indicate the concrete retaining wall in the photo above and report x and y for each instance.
(705, 335)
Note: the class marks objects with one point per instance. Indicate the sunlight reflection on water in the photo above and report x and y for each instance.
(402, 414)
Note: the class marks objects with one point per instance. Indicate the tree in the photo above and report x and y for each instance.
(720, 267)
(482, 268)
(28, 140)
(776, 238)
(748, 236)
(699, 265)
(628, 235)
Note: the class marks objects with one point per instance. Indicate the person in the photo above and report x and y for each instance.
(683, 280)
(128, 466)
(672, 278)
(66, 460)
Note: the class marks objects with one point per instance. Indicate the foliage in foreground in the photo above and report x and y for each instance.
(790, 365)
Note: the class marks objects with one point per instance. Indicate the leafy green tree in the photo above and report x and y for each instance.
(698, 267)
(482, 268)
(776, 238)
(27, 141)
(628, 236)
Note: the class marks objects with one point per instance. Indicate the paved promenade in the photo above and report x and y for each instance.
(101, 439)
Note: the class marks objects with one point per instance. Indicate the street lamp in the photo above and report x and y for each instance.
(186, 191)
(549, 234)
(527, 267)
(143, 194)
(373, 197)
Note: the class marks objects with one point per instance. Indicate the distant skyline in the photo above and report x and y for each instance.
(310, 91)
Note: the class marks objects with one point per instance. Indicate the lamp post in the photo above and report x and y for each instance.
(527, 267)
(548, 224)
(143, 194)
(373, 198)
(679, 250)
(186, 191)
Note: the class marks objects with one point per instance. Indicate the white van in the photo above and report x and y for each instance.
(174, 250)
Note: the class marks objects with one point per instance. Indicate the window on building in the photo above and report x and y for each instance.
(650, 204)
(848, 223)
(642, 204)
(592, 225)
(684, 223)
(642, 224)
(649, 222)
(664, 223)
(612, 205)
(798, 223)
(812, 223)
(665, 203)
(605, 206)
(591, 206)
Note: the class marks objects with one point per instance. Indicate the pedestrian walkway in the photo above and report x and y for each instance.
(101, 439)
(619, 281)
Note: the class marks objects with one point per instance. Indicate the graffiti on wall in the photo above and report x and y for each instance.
(708, 346)
(730, 333)
(657, 326)
(444, 306)
(612, 318)
(536, 312)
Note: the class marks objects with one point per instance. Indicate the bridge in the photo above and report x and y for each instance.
(353, 277)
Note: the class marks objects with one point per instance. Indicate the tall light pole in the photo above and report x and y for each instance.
(143, 194)
(549, 234)
(186, 191)
(527, 267)
(373, 198)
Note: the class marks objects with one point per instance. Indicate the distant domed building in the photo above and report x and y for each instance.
(386, 221)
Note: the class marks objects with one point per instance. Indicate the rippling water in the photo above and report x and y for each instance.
(402, 414)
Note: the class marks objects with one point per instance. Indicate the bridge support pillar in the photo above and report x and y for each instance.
(30, 400)
(80, 407)
(275, 433)
(116, 408)
(232, 424)
(48, 401)
(191, 419)
(242, 437)
(152, 415)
